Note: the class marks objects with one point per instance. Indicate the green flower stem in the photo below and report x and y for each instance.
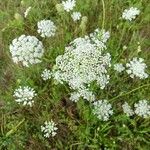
(14, 129)
(127, 93)
(103, 21)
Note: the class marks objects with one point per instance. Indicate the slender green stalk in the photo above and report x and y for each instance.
(127, 93)
(14, 128)
(104, 11)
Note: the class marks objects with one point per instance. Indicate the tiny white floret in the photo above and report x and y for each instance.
(119, 67)
(131, 13)
(24, 95)
(46, 28)
(102, 109)
(49, 129)
(127, 109)
(136, 68)
(46, 74)
(26, 49)
(142, 108)
(69, 5)
(76, 16)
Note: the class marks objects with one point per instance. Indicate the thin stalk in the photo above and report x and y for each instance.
(14, 129)
(127, 93)
(104, 11)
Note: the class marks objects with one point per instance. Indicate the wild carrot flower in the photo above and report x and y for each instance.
(100, 36)
(75, 96)
(102, 109)
(119, 67)
(49, 129)
(69, 5)
(130, 14)
(76, 16)
(26, 49)
(127, 109)
(142, 108)
(84, 93)
(24, 95)
(46, 28)
(136, 68)
(82, 63)
(46, 74)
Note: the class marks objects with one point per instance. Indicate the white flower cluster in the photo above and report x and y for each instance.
(27, 12)
(84, 93)
(127, 109)
(46, 74)
(102, 109)
(69, 5)
(26, 49)
(142, 109)
(76, 16)
(46, 28)
(82, 63)
(100, 36)
(130, 14)
(119, 67)
(25, 95)
(136, 68)
(49, 129)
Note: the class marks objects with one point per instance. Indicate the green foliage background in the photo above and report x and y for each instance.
(78, 128)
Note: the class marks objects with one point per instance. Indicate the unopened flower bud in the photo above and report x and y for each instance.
(17, 16)
(59, 8)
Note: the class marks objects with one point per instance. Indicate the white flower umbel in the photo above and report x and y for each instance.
(26, 49)
(82, 63)
(46, 28)
(102, 109)
(119, 67)
(127, 109)
(49, 129)
(46, 74)
(100, 36)
(142, 109)
(75, 96)
(27, 12)
(24, 95)
(76, 16)
(84, 93)
(136, 68)
(69, 5)
(130, 14)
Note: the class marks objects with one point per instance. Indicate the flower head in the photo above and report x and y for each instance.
(136, 68)
(27, 12)
(127, 109)
(25, 95)
(84, 93)
(100, 36)
(75, 96)
(76, 16)
(49, 129)
(26, 49)
(119, 67)
(46, 28)
(69, 5)
(142, 108)
(102, 109)
(82, 63)
(130, 14)
(46, 74)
